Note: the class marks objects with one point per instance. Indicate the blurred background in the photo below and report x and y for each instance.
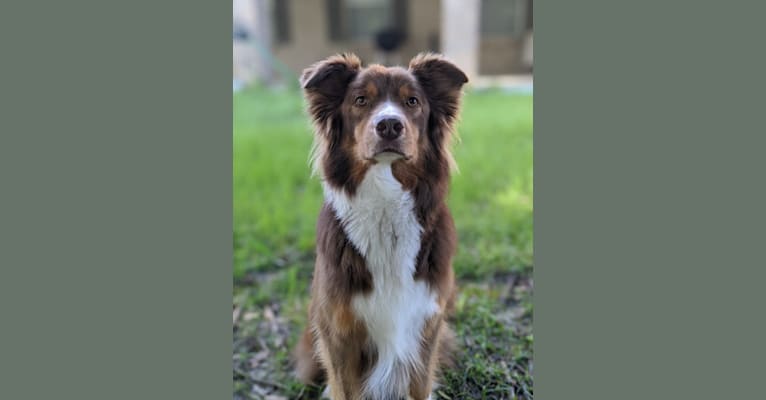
(276, 201)
(275, 39)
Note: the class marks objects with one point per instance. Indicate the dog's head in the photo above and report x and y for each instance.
(380, 114)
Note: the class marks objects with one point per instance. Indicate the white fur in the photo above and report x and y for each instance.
(380, 221)
(388, 110)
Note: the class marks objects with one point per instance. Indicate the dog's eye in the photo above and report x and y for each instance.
(412, 101)
(360, 101)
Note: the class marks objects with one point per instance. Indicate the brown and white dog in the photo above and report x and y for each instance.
(383, 281)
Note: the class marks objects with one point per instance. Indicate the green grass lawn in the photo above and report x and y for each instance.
(276, 203)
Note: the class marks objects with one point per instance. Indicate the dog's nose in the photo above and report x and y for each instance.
(389, 128)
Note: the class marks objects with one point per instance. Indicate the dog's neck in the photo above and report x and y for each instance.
(426, 182)
(379, 212)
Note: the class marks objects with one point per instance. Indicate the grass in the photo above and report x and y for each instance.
(275, 208)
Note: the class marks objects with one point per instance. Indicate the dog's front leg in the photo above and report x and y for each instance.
(343, 356)
(422, 377)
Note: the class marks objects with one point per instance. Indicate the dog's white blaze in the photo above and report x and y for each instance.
(380, 221)
(388, 109)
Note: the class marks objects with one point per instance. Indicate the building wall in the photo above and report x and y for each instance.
(252, 17)
(460, 21)
(505, 46)
(244, 57)
(310, 40)
(500, 55)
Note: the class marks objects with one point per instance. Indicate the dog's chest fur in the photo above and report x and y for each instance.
(380, 222)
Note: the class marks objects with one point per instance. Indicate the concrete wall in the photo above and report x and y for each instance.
(254, 17)
(244, 56)
(460, 34)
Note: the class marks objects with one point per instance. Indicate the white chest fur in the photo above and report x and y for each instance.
(380, 222)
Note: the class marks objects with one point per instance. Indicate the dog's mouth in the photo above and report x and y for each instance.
(389, 149)
(389, 153)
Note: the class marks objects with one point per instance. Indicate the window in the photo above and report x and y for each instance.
(362, 19)
(504, 17)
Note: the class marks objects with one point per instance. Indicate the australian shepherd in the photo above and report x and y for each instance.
(383, 283)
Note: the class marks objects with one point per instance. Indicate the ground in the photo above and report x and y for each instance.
(276, 203)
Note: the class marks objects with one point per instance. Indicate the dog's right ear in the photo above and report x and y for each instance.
(325, 83)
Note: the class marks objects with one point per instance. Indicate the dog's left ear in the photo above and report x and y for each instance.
(441, 80)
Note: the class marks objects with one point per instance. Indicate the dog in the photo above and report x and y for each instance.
(383, 283)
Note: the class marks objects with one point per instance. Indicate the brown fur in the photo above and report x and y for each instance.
(336, 345)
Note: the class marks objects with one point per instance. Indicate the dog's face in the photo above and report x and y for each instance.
(381, 114)
(387, 110)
